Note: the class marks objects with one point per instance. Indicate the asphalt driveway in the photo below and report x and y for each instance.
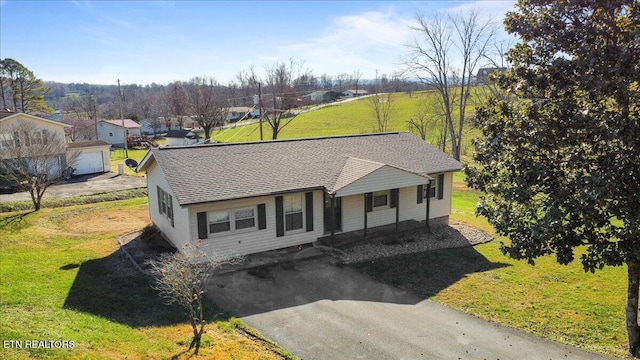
(84, 185)
(318, 310)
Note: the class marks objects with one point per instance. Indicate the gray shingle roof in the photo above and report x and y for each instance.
(216, 172)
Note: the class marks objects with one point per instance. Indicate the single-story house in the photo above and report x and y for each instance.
(89, 157)
(236, 113)
(252, 197)
(181, 137)
(112, 131)
(354, 93)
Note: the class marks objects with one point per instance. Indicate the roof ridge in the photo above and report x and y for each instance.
(286, 140)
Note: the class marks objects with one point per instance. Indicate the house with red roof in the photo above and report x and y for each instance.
(113, 131)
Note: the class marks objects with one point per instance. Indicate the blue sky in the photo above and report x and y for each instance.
(142, 42)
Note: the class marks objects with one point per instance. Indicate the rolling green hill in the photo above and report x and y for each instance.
(353, 117)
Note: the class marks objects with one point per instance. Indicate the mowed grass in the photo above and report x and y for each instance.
(118, 156)
(561, 303)
(63, 278)
(352, 117)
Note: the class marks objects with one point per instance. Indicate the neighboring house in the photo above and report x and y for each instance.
(112, 131)
(181, 137)
(482, 77)
(22, 133)
(90, 157)
(236, 113)
(251, 197)
(319, 96)
(161, 125)
(80, 155)
(354, 93)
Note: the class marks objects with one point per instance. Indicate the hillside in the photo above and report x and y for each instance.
(356, 117)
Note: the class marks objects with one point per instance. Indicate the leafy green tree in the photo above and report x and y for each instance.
(559, 167)
(21, 90)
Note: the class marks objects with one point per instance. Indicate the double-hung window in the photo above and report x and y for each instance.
(231, 220)
(380, 199)
(293, 211)
(245, 218)
(219, 221)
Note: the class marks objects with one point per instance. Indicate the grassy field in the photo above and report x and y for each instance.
(353, 117)
(562, 303)
(63, 278)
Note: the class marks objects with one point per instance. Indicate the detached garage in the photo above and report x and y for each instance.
(90, 157)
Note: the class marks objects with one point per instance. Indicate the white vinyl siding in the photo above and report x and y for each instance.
(353, 208)
(253, 241)
(176, 234)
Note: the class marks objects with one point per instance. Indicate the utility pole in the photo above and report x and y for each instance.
(260, 105)
(124, 129)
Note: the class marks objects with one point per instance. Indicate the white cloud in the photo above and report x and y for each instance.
(364, 42)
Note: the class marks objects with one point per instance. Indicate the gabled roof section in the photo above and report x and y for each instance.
(353, 170)
(128, 123)
(89, 143)
(8, 115)
(359, 174)
(218, 172)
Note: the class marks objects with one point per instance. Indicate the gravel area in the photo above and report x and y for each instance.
(441, 237)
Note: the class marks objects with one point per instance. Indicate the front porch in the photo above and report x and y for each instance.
(374, 234)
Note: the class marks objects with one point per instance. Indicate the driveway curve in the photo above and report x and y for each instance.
(318, 310)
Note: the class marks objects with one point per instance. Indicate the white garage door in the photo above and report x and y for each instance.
(89, 163)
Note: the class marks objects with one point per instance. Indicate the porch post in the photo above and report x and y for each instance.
(397, 204)
(365, 215)
(333, 218)
(426, 221)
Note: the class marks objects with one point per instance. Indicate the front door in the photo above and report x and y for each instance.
(337, 220)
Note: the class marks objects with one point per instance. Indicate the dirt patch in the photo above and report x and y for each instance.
(143, 246)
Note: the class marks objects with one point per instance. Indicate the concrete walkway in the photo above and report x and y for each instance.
(85, 185)
(320, 311)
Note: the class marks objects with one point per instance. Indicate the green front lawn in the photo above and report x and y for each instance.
(562, 303)
(62, 278)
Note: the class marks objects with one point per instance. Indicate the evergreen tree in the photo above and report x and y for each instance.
(559, 166)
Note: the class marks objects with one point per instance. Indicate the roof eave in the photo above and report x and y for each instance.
(273, 193)
(146, 161)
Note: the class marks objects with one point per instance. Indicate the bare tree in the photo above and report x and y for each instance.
(32, 157)
(382, 107)
(280, 80)
(181, 278)
(179, 98)
(425, 123)
(206, 103)
(443, 39)
(355, 77)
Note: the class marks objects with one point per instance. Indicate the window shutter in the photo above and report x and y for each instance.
(393, 195)
(171, 209)
(419, 194)
(262, 216)
(159, 199)
(368, 202)
(279, 216)
(202, 225)
(309, 210)
(440, 186)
